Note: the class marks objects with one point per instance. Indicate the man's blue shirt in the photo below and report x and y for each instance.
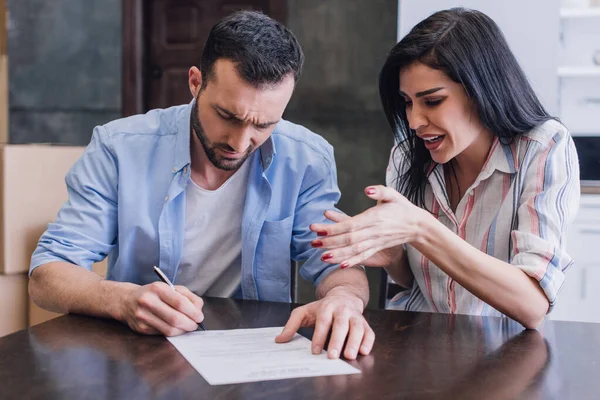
(127, 201)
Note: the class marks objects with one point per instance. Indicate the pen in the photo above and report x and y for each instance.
(166, 280)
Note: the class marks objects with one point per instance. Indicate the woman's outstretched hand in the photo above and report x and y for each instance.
(372, 238)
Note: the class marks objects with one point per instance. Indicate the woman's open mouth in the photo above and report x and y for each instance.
(433, 142)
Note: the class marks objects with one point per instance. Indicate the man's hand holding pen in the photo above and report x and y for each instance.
(159, 308)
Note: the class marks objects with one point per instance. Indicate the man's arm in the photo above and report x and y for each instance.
(66, 288)
(350, 281)
(84, 232)
(343, 294)
(149, 309)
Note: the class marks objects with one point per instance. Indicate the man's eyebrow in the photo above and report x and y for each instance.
(227, 112)
(232, 115)
(266, 124)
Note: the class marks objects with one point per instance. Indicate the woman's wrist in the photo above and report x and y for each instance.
(423, 225)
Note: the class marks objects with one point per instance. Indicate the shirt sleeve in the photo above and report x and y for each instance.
(319, 192)
(548, 203)
(396, 167)
(85, 229)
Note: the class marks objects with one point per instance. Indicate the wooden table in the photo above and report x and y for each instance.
(417, 355)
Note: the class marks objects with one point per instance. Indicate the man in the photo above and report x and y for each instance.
(219, 194)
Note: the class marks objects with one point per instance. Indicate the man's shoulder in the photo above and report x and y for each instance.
(157, 122)
(293, 138)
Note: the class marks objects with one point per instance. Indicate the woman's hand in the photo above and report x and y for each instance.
(374, 237)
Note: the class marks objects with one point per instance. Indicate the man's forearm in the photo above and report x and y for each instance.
(67, 288)
(348, 281)
(399, 269)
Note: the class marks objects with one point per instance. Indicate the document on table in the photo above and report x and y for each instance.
(251, 355)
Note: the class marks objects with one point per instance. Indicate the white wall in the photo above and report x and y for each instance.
(531, 28)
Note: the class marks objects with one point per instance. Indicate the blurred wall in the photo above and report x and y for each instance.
(64, 69)
(345, 44)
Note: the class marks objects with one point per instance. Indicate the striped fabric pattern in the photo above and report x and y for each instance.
(517, 210)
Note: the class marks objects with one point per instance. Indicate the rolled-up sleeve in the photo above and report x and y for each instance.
(547, 204)
(85, 229)
(319, 192)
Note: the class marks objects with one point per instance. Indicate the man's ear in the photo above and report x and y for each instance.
(194, 81)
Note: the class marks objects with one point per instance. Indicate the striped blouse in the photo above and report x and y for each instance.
(517, 210)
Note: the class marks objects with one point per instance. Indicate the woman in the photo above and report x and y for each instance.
(482, 183)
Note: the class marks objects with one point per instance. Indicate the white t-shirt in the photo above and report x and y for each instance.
(212, 246)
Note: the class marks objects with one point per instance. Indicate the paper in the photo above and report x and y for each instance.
(251, 355)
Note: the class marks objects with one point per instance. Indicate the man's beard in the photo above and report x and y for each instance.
(224, 163)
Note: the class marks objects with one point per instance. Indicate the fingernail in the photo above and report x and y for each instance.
(365, 349)
(352, 351)
(344, 265)
(317, 243)
(322, 233)
(333, 354)
(326, 257)
(316, 350)
(370, 190)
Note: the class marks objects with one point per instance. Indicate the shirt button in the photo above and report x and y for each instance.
(174, 169)
(166, 198)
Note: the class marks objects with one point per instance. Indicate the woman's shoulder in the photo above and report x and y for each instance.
(548, 133)
(549, 142)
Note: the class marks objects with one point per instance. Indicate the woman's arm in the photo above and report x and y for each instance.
(368, 238)
(502, 285)
(526, 287)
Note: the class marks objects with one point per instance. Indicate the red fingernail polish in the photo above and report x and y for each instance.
(370, 190)
(317, 243)
(326, 256)
(322, 233)
(344, 265)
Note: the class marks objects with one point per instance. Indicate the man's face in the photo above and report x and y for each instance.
(232, 118)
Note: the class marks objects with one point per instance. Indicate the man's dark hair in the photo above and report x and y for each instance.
(263, 50)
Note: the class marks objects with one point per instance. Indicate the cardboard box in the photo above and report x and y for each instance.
(13, 303)
(37, 315)
(32, 190)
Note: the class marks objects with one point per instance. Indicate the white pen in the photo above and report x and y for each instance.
(166, 280)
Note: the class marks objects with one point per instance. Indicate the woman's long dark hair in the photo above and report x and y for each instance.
(470, 49)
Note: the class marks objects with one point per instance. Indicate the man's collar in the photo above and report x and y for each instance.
(267, 152)
(182, 137)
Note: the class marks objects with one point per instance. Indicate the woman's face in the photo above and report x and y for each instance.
(442, 115)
